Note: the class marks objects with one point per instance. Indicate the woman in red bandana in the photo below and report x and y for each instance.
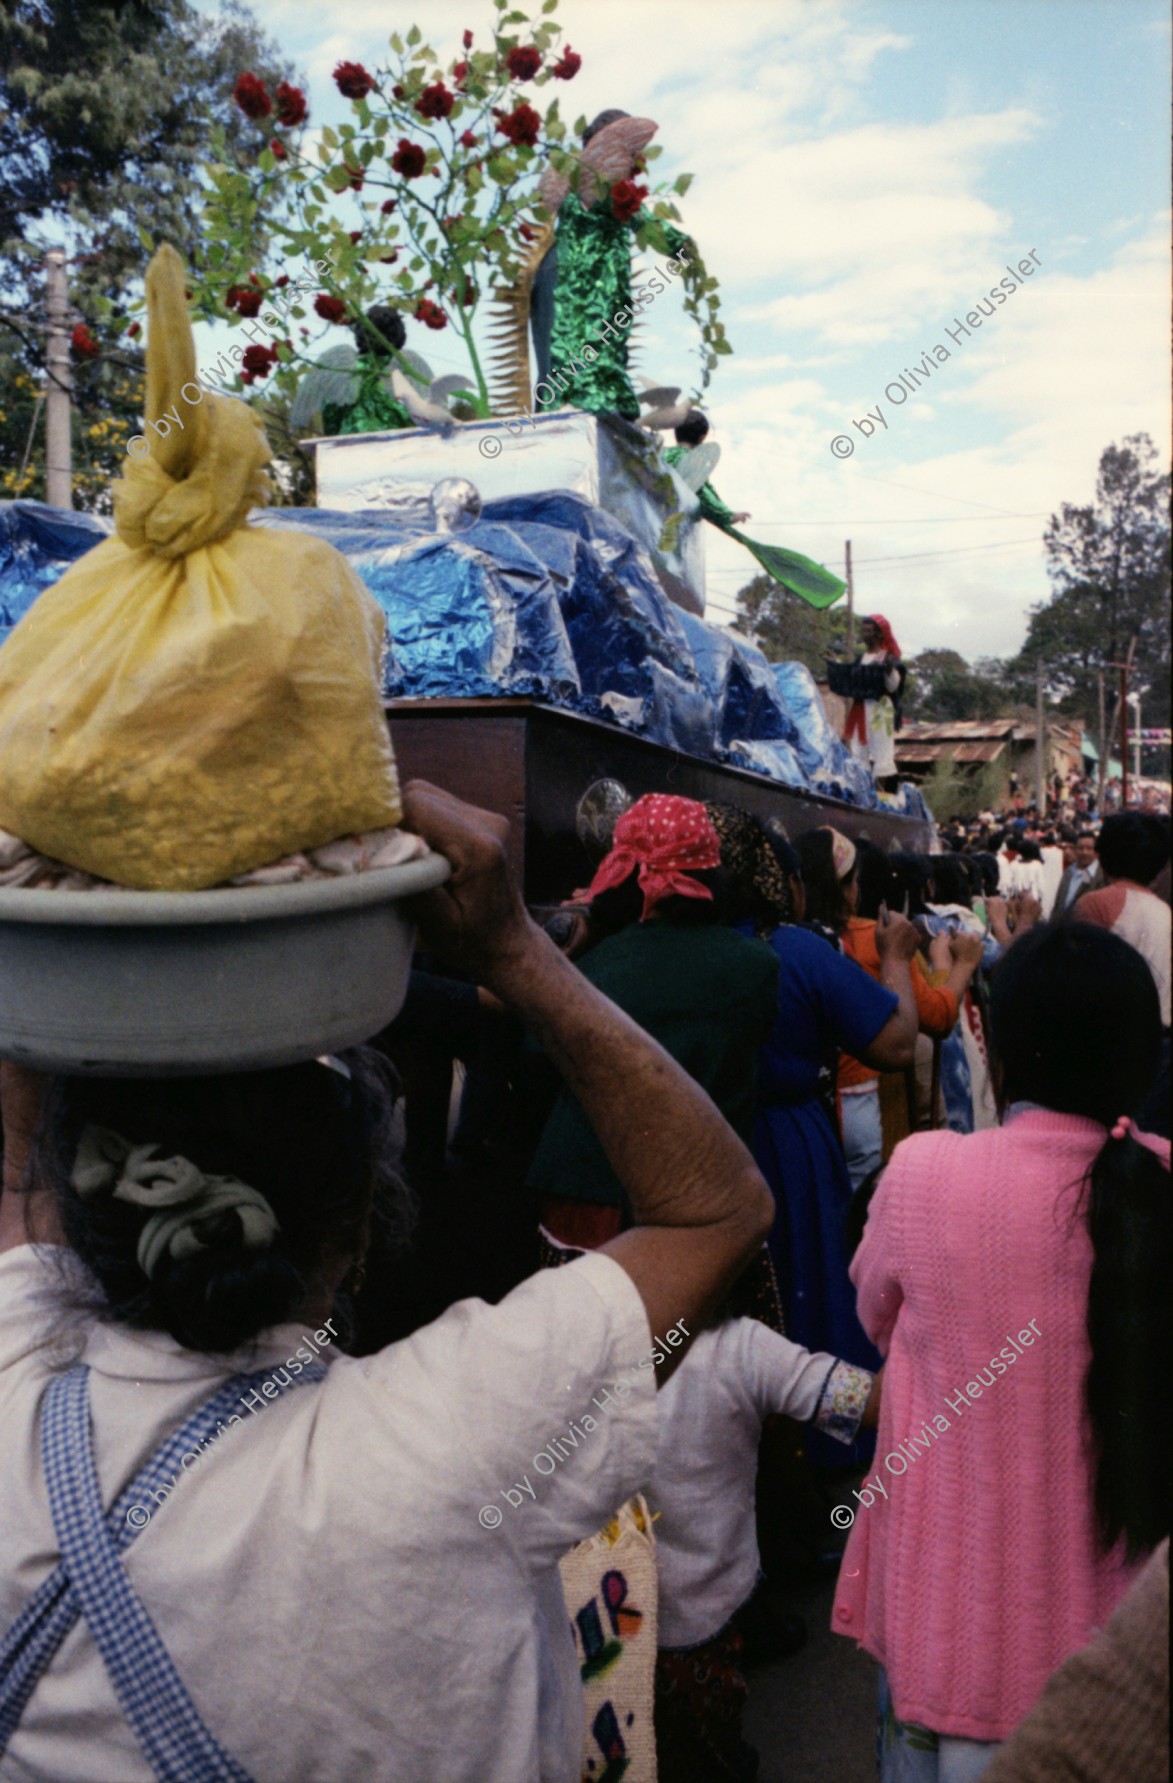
(704, 992)
(873, 684)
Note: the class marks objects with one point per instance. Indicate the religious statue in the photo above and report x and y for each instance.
(873, 683)
(695, 460)
(577, 277)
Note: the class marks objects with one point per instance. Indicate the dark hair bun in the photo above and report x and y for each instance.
(220, 1298)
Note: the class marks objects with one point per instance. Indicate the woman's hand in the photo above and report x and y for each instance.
(477, 921)
(966, 950)
(896, 937)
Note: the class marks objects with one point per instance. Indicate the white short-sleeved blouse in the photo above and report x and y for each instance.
(322, 1578)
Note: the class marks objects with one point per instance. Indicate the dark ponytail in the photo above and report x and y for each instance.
(314, 1141)
(1128, 1325)
(1076, 1027)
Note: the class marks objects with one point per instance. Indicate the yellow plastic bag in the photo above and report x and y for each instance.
(195, 697)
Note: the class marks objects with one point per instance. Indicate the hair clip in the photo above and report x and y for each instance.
(1123, 1127)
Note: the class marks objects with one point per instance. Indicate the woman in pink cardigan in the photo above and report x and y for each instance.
(1016, 1280)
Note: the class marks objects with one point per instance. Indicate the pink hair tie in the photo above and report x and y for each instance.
(1122, 1128)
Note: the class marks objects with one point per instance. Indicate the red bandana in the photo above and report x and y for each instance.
(660, 836)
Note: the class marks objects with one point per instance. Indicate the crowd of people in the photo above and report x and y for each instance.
(882, 1134)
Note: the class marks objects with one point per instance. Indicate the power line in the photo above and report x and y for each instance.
(957, 551)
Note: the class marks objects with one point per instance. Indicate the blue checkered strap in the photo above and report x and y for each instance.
(91, 1581)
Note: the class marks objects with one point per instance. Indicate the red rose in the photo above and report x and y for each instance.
(387, 206)
(331, 309)
(430, 314)
(357, 176)
(397, 92)
(460, 73)
(278, 150)
(527, 232)
(291, 105)
(470, 294)
(352, 80)
(522, 125)
(356, 235)
(248, 303)
(389, 259)
(134, 330)
(256, 362)
(252, 96)
(468, 140)
(435, 101)
(409, 159)
(283, 280)
(523, 63)
(83, 343)
(467, 40)
(567, 66)
(626, 198)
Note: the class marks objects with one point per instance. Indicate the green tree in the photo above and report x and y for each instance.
(941, 685)
(1109, 567)
(106, 113)
(787, 629)
(951, 792)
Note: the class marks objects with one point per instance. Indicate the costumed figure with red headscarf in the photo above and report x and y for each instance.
(874, 684)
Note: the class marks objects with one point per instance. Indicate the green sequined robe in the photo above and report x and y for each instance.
(593, 284)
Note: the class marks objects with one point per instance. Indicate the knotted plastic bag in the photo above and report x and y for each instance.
(195, 698)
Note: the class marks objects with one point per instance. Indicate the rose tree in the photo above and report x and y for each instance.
(424, 200)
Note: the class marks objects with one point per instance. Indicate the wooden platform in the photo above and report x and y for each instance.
(532, 764)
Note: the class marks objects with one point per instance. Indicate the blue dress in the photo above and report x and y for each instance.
(826, 1003)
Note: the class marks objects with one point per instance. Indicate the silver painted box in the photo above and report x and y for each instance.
(607, 461)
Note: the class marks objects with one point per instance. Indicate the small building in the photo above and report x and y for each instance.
(970, 745)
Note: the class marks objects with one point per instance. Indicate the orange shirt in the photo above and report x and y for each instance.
(936, 1007)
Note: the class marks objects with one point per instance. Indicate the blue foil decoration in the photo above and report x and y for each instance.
(545, 596)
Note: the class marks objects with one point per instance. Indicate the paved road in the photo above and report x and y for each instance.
(813, 1717)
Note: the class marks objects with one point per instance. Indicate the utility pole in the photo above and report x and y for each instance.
(1040, 750)
(1137, 735)
(58, 403)
(850, 603)
(1124, 667)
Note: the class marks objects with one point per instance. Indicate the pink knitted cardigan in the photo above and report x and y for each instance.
(978, 1574)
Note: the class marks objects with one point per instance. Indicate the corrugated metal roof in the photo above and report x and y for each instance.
(915, 751)
(978, 751)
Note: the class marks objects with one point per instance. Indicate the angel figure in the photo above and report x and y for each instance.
(694, 459)
(577, 276)
(358, 389)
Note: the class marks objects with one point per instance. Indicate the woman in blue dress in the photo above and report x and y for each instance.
(825, 1003)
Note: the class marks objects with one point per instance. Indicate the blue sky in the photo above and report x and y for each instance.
(863, 174)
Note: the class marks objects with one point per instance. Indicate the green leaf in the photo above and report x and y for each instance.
(330, 138)
(414, 36)
(266, 160)
(549, 5)
(397, 43)
(722, 346)
(682, 182)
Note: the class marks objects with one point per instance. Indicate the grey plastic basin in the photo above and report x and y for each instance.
(138, 984)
